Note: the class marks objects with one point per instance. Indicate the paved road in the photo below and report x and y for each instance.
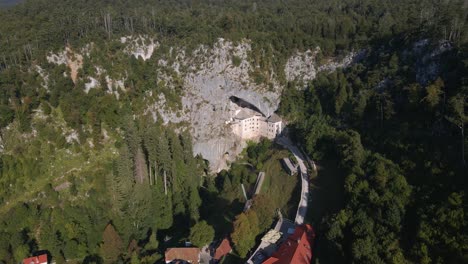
(302, 207)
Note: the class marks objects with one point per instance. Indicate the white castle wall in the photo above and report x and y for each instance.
(255, 126)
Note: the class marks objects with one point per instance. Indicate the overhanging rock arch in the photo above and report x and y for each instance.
(246, 104)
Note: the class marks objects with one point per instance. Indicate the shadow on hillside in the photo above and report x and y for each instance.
(220, 213)
(326, 192)
(326, 198)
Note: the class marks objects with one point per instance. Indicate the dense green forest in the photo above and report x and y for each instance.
(400, 146)
(90, 179)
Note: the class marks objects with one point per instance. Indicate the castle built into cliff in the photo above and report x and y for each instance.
(250, 124)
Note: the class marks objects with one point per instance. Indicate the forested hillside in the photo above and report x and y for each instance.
(91, 176)
(397, 130)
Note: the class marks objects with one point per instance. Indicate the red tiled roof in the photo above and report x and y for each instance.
(223, 249)
(297, 249)
(187, 254)
(41, 259)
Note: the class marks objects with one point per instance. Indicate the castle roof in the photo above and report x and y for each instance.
(274, 118)
(297, 249)
(245, 113)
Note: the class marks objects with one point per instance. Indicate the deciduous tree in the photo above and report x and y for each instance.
(245, 230)
(201, 234)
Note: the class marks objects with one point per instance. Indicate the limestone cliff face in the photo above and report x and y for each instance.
(72, 59)
(206, 79)
(427, 57)
(303, 66)
(209, 81)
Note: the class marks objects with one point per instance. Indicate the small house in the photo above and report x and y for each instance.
(222, 250)
(182, 255)
(41, 259)
(290, 168)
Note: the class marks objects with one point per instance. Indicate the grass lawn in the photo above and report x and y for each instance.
(279, 186)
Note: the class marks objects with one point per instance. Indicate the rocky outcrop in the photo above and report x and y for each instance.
(73, 60)
(303, 66)
(139, 46)
(211, 87)
(209, 80)
(428, 57)
(204, 80)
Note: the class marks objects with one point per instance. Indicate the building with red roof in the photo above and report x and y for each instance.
(296, 249)
(41, 259)
(181, 255)
(222, 250)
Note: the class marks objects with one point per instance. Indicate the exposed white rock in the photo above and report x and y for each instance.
(114, 86)
(159, 106)
(45, 77)
(86, 50)
(333, 65)
(428, 59)
(162, 63)
(62, 186)
(72, 136)
(140, 46)
(39, 114)
(59, 58)
(105, 134)
(302, 66)
(93, 83)
(72, 59)
(2, 145)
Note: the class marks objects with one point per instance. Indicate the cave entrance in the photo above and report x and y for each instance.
(244, 104)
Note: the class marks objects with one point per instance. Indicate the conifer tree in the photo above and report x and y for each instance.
(120, 180)
(112, 244)
(162, 207)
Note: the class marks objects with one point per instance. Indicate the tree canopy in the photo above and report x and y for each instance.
(201, 234)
